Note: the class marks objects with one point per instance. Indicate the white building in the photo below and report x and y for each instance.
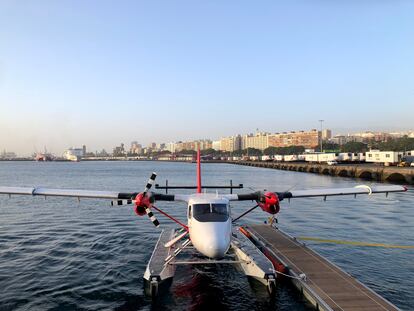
(384, 157)
(291, 158)
(216, 145)
(320, 157)
(170, 147)
(260, 140)
(311, 157)
(325, 157)
(231, 143)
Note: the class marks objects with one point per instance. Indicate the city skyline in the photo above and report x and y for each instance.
(27, 146)
(327, 135)
(96, 73)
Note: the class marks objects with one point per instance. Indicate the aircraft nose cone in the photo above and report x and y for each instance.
(211, 239)
(216, 252)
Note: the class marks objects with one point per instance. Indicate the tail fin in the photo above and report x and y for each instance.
(198, 171)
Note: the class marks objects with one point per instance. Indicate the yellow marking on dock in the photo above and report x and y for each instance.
(355, 243)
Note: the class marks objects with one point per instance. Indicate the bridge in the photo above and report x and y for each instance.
(379, 173)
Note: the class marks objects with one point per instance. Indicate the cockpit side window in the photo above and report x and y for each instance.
(216, 212)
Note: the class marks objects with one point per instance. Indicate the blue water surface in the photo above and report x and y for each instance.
(58, 254)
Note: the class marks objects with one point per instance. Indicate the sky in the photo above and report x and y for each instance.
(104, 72)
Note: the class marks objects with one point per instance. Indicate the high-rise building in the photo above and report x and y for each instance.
(119, 151)
(260, 140)
(161, 147)
(308, 139)
(203, 144)
(135, 148)
(216, 145)
(170, 147)
(231, 143)
(326, 134)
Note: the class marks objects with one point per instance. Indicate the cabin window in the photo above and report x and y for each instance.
(215, 212)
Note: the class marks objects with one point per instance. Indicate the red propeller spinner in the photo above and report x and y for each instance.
(269, 203)
(142, 202)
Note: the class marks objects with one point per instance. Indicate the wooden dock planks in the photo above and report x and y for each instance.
(337, 289)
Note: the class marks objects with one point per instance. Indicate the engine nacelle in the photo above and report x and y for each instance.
(141, 203)
(269, 203)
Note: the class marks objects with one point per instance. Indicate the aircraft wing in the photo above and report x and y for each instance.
(323, 192)
(360, 189)
(92, 194)
(60, 192)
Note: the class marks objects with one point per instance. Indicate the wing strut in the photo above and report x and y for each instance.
(245, 213)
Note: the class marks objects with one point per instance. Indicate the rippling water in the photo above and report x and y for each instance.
(56, 254)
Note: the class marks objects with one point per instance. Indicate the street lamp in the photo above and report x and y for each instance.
(321, 134)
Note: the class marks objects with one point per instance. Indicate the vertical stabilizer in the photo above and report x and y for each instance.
(198, 171)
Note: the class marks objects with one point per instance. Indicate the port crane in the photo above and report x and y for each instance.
(210, 233)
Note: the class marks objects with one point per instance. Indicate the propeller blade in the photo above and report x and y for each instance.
(147, 208)
(150, 182)
(152, 217)
(121, 202)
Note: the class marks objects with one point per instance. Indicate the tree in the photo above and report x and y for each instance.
(187, 152)
(398, 144)
(354, 146)
(284, 150)
(252, 152)
(238, 153)
(328, 146)
(209, 151)
(271, 151)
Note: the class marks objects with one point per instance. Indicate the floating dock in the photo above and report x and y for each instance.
(323, 284)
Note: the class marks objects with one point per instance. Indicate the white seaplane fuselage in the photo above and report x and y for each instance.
(209, 223)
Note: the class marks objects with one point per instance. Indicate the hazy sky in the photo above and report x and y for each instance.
(104, 72)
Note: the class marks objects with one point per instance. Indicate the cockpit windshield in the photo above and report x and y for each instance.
(215, 212)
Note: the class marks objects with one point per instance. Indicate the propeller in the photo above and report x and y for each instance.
(269, 202)
(143, 201)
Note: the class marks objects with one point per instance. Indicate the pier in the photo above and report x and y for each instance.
(394, 174)
(323, 284)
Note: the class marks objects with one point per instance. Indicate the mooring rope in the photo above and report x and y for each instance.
(301, 276)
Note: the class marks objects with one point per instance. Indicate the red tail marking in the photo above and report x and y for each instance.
(198, 171)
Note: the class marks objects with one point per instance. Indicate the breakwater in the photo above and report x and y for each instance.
(378, 173)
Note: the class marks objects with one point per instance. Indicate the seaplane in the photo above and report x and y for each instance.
(211, 234)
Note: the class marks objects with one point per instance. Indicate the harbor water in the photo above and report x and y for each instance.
(61, 254)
